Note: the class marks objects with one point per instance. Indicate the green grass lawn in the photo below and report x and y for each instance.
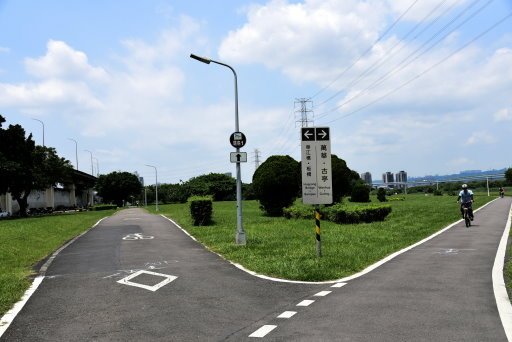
(286, 248)
(25, 242)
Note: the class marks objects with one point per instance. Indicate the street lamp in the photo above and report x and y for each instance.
(97, 167)
(240, 233)
(156, 185)
(76, 151)
(92, 165)
(42, 123)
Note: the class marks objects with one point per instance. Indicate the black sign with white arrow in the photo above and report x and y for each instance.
(308, 134)
(322, 134)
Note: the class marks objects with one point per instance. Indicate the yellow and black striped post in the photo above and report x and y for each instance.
(317, 231)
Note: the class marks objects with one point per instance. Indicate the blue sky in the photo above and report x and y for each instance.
(428, 95)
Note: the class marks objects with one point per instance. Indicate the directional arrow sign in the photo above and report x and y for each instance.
(316, 165)
(238, 157)
(308, 134)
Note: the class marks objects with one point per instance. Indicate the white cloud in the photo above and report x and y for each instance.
(4, 49)
(63, 62)
(481, 137)
(504, 114)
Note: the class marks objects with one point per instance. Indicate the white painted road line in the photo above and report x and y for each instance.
(287, 314)
(322, 293)
(339, 285)
(498, 282)
(306, 302)
(167, 280)
(264, 330)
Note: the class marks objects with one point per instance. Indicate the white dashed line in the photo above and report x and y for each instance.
(322, 293)
(264, 330)
(306, 302)
(339, 285)
(287, 314)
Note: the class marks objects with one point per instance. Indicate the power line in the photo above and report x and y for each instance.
(366, 51)
(400, 66)
(496, 24)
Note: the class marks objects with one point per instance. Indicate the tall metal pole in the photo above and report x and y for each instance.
(156, 185)
(97, 167)
(42, 123)
(488, 194)
(240, 233)
(92, 165)
(76, 151)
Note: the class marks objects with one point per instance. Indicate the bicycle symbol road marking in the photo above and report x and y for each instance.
(138, 236)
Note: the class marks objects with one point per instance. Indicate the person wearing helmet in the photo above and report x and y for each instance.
(466, 199)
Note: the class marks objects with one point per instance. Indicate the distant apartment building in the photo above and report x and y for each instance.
(366, 177)
(401, 177)
(387, 177)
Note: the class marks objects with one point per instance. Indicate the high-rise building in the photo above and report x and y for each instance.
(388, 177)
(401, 177)
(366, 177)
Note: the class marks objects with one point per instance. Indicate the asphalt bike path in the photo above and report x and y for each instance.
(439, 291)
(87, 294)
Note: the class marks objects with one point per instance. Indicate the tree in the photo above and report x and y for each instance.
(276, 184)
(381, 195)
(360, 192)
(117, 187)
(222, 187)
(343, 179)
(26, 167)
(508, 175)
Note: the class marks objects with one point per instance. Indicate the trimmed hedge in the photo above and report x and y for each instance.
(104, 207)
(201, 209)
(349, 215)
(340, 213)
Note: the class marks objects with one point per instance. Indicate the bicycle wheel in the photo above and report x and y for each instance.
(468, 221)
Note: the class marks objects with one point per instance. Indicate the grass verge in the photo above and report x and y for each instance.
(285, 248)
(25, 242)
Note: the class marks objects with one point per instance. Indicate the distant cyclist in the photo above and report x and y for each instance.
(502, 191)
(466, 200)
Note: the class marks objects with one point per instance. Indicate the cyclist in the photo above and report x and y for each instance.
(502, 191)
(466, 199)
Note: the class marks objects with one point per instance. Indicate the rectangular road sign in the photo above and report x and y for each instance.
(238, 157)
(316, 165)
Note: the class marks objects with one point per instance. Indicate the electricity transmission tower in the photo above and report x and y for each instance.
(256, 159)
(303, 109)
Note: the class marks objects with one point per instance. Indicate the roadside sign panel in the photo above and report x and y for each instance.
(316, 165)
(238, 157)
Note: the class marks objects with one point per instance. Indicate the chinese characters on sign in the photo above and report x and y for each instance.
(316, 165)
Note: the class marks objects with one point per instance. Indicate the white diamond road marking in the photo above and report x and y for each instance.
(339, 285)
(261, 332)
(306, 302)
(167, 280)
(287, 314)
(322, 293)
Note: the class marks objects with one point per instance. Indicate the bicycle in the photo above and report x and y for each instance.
(467, 218)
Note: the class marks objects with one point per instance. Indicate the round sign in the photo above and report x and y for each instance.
(237, 139)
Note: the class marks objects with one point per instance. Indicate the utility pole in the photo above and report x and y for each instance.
(303, 107)
(256, 159)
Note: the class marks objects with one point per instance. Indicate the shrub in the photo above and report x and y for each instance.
(381, 195)
(201, 210)
(299, 211)
(276, 184)
(104, 207)
(348, 215)
(438, 193)
(360, 193)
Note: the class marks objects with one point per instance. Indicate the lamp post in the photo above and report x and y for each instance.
(92, 165)
(42, 123)
(76, 151)
(240, 233)
(156, 185)
(97, 167)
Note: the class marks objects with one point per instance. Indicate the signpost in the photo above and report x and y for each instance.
(238, 157)
(316, 172)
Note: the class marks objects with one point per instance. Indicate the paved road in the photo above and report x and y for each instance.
(439, 291)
